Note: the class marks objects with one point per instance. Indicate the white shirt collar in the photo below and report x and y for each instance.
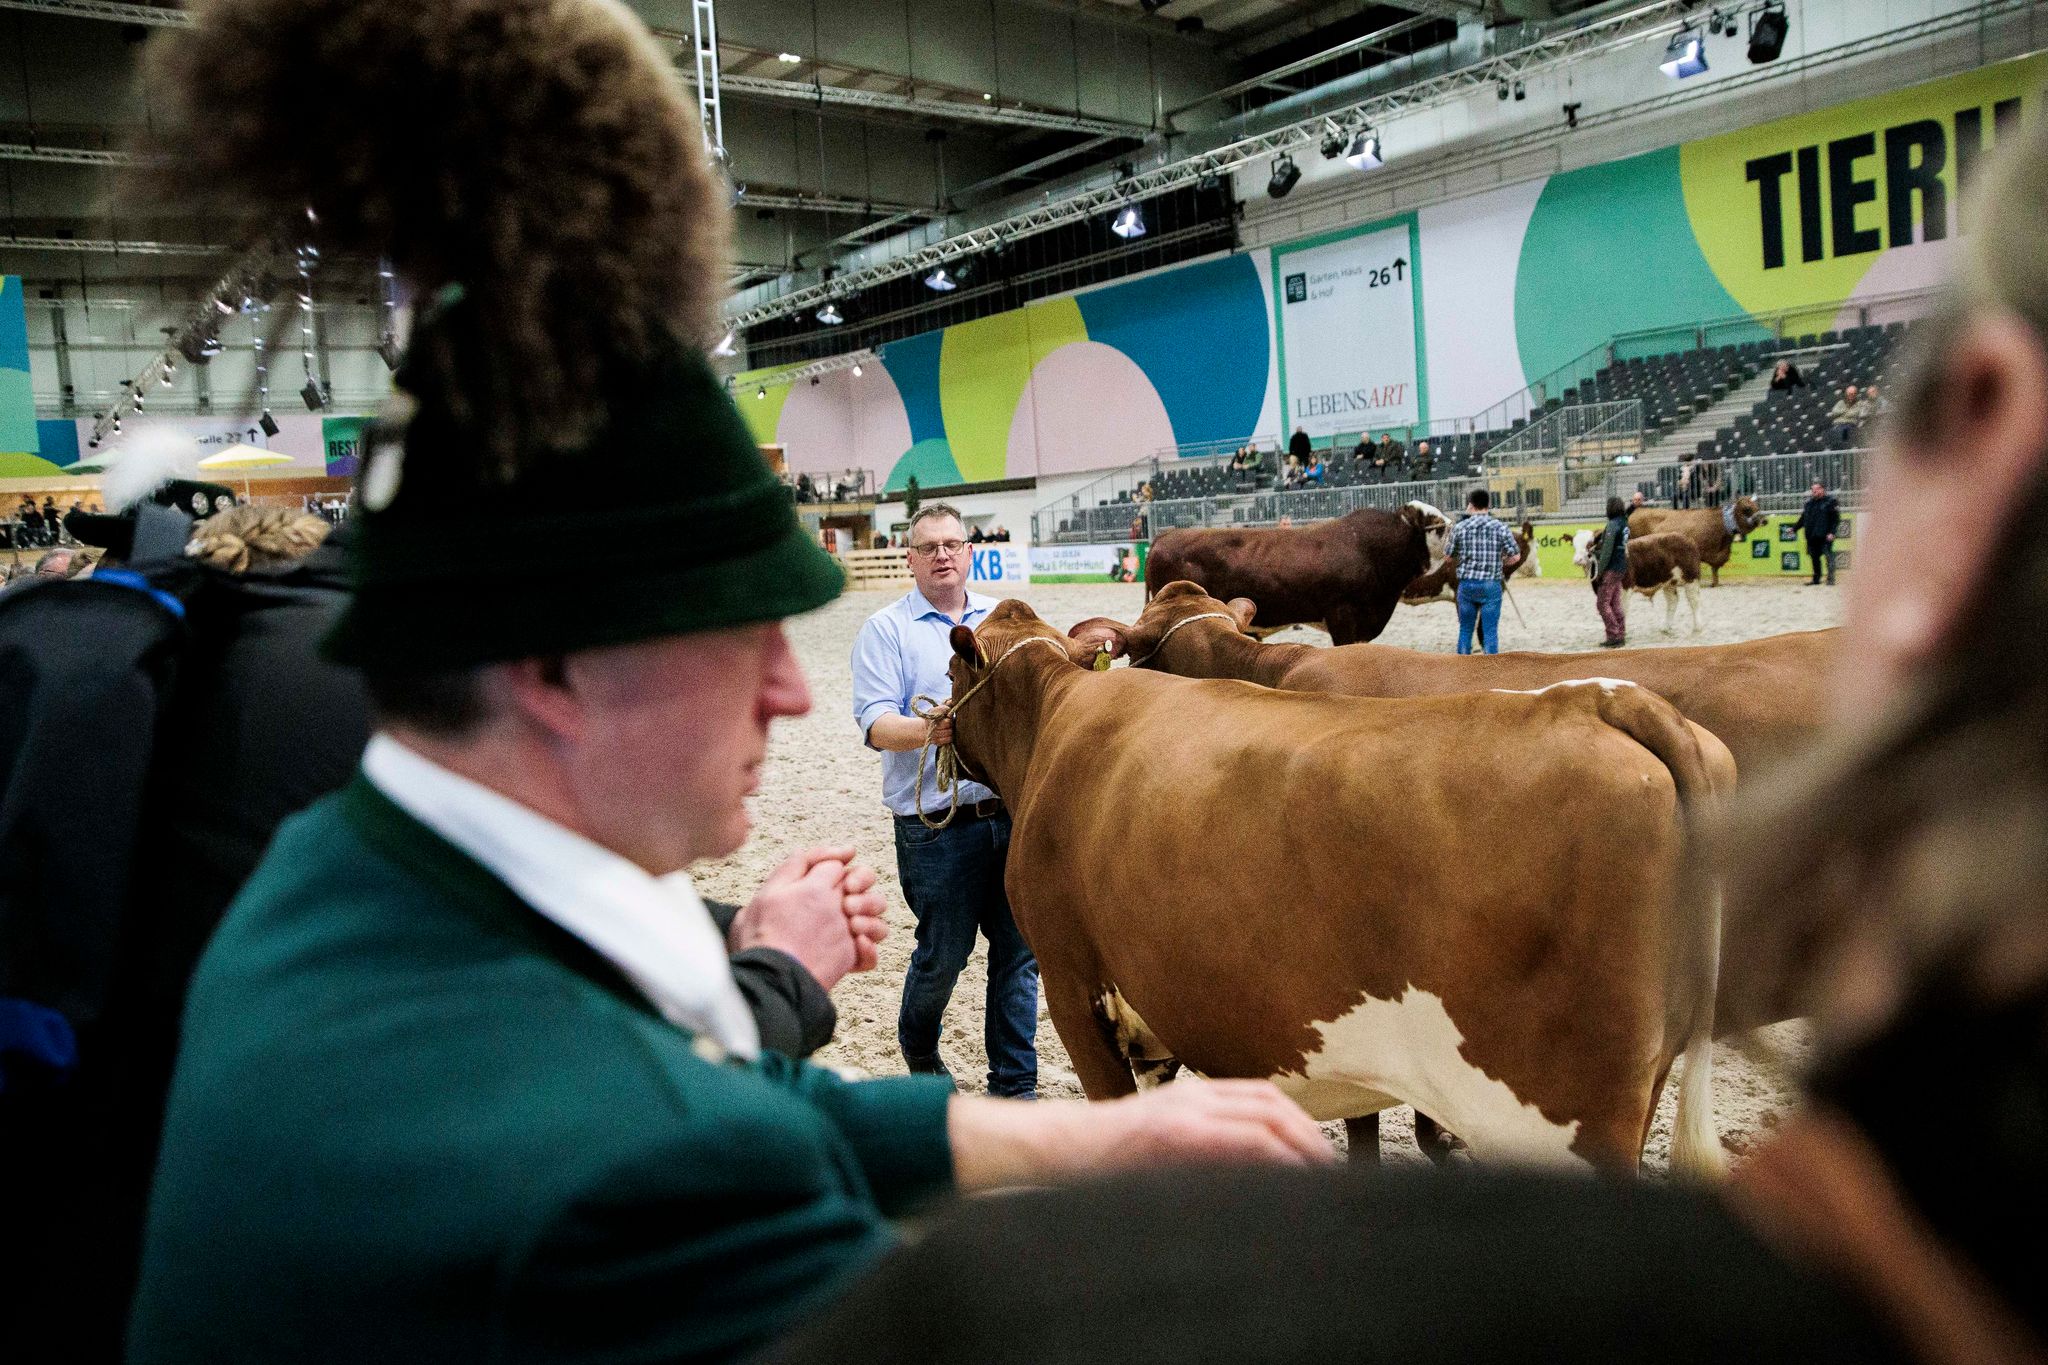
(655, 930)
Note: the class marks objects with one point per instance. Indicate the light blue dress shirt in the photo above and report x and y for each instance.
(903, 652)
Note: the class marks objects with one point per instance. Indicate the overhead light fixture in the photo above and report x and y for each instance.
(1333, 141)
(1571, 114)
(1686, 55)
(1284, 178)
(830, 315)
(165, 377)
(1521, 92)
(789, 57)
(940, 282)
(856, 369)
(268, 423)
(311, 395)
(986, 95)
(814, 381)
(730, 345)
(224, 306)
(1364, 152)
(761, 392)
(1767, 29)
(388, 352)
(1500, 90)
(1129, 222)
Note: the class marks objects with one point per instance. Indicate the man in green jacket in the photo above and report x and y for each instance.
(465, 1072)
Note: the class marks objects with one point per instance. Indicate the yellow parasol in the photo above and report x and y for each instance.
(243, 458)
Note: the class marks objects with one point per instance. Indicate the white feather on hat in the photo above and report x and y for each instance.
(147, 459)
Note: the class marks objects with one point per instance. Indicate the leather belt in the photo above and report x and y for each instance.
(986, 809)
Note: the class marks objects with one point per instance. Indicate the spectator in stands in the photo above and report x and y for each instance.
(1389, 449)
(1849, 413)
(1819, 519)
(1482, 549)
(53, 520)
(1315, 471)
(1362, 452)
(55, 564)
(1297, 444)
(1424, 461)
(1001, 537)
(1294, 474)
(806, 491)
(1688, 483)
(1878, 404)
(1786, 377)
(1710, 483)
(1609, 569)
(31, 517)
(976, 536)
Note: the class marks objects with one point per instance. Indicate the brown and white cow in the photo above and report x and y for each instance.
(1764, 698)
(1665, 563)
(1351, 956)
(1346, 574)
(1715, 530)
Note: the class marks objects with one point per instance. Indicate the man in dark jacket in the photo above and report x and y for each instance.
(1297, 445)
(1819, 520)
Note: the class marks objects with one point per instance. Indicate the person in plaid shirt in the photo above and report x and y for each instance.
(1481, 550)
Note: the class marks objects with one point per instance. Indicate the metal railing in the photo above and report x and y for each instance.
(836, 485)
(1581, 431)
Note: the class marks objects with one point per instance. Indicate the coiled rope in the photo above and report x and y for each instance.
(931, 711)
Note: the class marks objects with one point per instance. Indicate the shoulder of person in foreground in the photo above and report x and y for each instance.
(385, 1022)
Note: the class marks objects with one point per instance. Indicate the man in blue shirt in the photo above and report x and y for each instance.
(1482, 549)
(952, 877)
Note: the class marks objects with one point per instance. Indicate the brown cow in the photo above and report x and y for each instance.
(1666, 562)
(1358, 967)
(1440, 584)
(1762, 698)
(1347, 573)
(1714, 529)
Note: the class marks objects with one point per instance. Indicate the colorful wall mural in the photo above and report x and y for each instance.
(1821, 211)
(21, 443)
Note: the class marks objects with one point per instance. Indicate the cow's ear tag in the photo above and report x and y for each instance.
(1101, 664)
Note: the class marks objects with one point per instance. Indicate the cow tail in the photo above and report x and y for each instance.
(1703, 772)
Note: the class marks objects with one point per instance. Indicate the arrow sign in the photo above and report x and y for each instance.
(1400, 265)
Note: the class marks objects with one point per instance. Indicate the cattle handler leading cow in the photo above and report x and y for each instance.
(952, 870)
(1483, 550)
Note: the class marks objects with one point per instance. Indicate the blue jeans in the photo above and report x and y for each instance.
(1479, 601)
(953, 879)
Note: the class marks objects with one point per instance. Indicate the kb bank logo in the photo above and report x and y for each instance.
(987, 566)
(1297, 288)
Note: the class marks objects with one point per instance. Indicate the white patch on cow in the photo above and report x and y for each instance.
(1582, 547)
(1151, 1064)
(1607, 685)
(1386, 1052)
(1437, 536)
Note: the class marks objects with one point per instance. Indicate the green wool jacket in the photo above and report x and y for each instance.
(415, 1120)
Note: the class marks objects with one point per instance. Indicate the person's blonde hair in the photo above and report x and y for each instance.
(246, 537)
(1910, 845)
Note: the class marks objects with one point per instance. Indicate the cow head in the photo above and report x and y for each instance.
(978, 649)
(1582, 550)
(1747, 517)
(1434, 525)
(1178, 601)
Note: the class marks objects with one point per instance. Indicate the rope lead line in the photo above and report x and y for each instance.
(931, 711)
(1184, 621)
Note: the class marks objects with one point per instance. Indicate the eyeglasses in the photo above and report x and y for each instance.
(937, 548)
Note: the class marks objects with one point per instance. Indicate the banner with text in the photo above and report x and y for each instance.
(1345, 319)
(999, 566)
(1124, 563)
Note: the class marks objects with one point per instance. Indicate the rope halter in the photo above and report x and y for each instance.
(1184, 621)
(931, 711)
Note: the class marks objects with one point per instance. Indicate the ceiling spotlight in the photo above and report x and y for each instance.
(856, 369)
(789, 57)
(1500, 90)
(165, 377)
(224, 306)
(1364, 152)
(940, 282)
(268, 423)
(985, 95)
(1686, 55)
(1129, 222)
(1333, 141)
(311, 395)
(1520, 92)
(1571, 114)
(388, 352)
(1209, 183)
(814, 381)
(1284, 178)
(730, 345)
(1767, 33)
(761, 392)
(830, 315)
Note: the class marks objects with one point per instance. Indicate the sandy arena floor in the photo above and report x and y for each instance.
(822, 786)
